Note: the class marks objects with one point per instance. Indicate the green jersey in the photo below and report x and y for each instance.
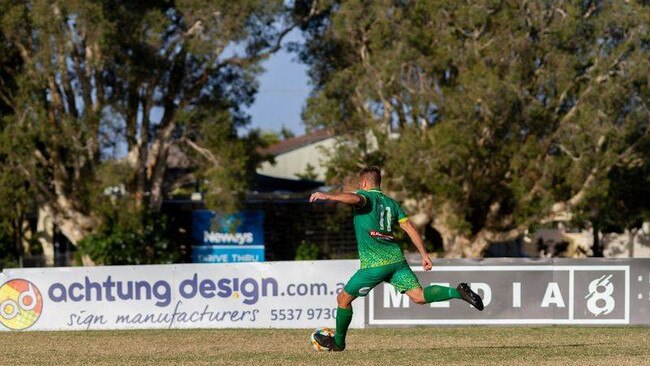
(375, 220)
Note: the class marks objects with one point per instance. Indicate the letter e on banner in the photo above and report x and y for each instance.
(394, 299)
(440, 304)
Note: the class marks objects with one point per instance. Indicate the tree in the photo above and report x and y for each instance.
(308, 174)
(286, 133)
(104, 80)
(14, 194)
(622, 202)
(490, 115)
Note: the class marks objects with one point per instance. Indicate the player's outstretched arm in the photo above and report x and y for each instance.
(352, 199)
(415, 237)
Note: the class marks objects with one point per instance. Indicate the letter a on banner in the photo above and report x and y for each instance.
(553, 295)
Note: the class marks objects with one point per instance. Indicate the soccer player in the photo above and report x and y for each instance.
(375, 219)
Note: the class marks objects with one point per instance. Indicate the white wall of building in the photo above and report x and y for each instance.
(631, 243)
(288, 164)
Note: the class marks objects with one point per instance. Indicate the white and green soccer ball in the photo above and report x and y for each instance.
(323, 331)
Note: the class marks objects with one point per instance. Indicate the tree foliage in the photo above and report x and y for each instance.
(498, 114)
(126, 240)
(108, 90)
(13, 192)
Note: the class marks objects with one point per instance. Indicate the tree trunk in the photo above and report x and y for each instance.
(75, 231)
(72, 229)
(455, 243)
(24, 238)
(157, 181)
(597, 248)
(45, 234)
(73, 224)
(477, 247)
(461, 246)
(157, 165)
(458, 245)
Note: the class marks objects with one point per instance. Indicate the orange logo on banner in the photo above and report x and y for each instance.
(21, 304)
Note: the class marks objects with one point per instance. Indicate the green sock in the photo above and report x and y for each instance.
(343, 319)
(440, 293)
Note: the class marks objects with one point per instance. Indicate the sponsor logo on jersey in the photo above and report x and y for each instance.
(377, 235)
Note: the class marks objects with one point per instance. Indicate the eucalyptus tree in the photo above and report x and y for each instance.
(107, 88)
(491, 115)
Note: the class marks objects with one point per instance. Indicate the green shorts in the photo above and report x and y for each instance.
(397, 274)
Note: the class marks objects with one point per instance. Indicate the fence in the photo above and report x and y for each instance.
(301, 294)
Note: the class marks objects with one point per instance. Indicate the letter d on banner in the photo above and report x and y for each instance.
(486, 291)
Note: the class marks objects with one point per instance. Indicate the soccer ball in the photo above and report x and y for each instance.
(323, 331)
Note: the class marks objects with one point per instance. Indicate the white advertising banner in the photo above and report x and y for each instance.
(300, 294)
(525, 291)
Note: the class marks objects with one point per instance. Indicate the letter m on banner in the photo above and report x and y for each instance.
(394, 299)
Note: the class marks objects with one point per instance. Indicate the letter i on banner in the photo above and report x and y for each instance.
(516, 294)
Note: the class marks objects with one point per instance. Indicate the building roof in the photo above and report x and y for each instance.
(297, 142)
(265, 184)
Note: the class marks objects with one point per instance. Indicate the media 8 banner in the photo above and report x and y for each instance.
(522, 291)
(299, 294)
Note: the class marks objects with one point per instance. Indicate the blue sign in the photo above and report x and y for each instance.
(222, 238)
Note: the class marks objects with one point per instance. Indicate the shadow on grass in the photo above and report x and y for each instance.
(505, 347)
(525, 346)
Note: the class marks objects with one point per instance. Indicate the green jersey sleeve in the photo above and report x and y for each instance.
(365, 197)
(401, 215)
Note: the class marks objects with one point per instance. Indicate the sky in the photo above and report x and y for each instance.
(282, 93)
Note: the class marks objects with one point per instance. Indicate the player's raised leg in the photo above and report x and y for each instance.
(435, 293)
(404, 280)
(470, 296)
(432, 293)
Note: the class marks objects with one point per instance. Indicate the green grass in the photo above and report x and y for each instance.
(610, 346)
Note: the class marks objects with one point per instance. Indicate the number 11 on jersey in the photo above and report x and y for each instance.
(385, 219)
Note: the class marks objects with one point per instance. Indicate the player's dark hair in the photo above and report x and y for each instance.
(371, 173)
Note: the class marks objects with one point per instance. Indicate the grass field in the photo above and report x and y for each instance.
(414, 346)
